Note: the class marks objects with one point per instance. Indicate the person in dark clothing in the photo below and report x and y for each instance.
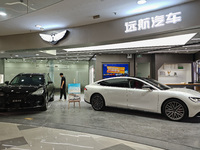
(62, 87)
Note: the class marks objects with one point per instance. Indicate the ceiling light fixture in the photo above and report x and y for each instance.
(140, 2)
(38, 26)
(3, 14)
(165, 41)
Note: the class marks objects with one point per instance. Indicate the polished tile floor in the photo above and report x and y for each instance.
(74, 128)
(24, 137)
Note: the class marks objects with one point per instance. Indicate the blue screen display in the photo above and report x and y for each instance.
(115, 70)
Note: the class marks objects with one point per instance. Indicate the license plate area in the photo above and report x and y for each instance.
(16, 100)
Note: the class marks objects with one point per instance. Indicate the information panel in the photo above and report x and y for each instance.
(115, 70)
(74, 88)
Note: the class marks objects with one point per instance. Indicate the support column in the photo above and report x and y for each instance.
(51, 69)
(2, 76)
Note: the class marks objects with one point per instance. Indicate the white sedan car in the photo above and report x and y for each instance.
(143, 94)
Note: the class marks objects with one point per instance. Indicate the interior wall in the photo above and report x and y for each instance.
(100, 59)
(13, 68)
(197, 56)
(175, 73)
(143, 70)
(160, 59)
(146, 58)
(75, 72)
(1, 66)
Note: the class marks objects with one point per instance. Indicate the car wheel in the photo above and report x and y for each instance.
(97, 102)
(52, 98)
(44, 108)
(175, 110)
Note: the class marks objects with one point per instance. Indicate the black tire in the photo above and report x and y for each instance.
(52, 98)
(44, 108)
(97, 102)
(3, 110)
(175, 110)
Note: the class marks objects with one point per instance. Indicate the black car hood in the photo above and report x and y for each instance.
(19, 89)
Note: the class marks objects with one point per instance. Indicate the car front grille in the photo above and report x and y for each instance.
(21, 97)
(24, 100)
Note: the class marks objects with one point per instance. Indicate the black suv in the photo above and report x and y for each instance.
(27, 90)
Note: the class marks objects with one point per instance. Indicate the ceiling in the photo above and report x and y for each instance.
(23, 16)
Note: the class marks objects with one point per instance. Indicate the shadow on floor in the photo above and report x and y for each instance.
(195, 119)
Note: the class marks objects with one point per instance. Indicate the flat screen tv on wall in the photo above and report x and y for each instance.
(115, 70)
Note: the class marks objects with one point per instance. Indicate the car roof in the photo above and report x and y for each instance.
(31, 74)
(119, 78)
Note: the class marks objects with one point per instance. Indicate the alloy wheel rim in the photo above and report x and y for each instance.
(97, 102)
(174, 110)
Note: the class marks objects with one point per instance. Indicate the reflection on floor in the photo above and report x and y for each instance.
(24, 137)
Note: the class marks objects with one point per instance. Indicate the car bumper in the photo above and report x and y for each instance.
(194, 110)
(86, 97)
(20, 102)
(86, 101)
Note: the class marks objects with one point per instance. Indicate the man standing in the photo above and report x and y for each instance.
(62, 87)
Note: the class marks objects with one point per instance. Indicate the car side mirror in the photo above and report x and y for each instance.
(147, 87)
(7, 82)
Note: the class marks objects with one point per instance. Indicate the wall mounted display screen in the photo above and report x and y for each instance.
(115, 70)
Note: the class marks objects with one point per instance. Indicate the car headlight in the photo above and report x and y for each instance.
(195, 99)
(40, 91)
(1, 94)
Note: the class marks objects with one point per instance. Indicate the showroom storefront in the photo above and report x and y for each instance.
(177, 20)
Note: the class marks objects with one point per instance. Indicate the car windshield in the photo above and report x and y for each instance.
(156, 84)
(35, 80)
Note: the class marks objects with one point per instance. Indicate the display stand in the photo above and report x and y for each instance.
(73, 97)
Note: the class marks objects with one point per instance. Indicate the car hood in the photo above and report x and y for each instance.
(18, 89)
(186, 91)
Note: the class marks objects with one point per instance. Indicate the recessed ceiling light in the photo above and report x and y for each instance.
(38, 26)
(140, 2)
(3, 14)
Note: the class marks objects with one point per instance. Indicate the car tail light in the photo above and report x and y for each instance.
(85, 89)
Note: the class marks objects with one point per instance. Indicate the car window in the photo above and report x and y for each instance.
(28, 80)
(115, 83)
(136, 84)
(156, 84)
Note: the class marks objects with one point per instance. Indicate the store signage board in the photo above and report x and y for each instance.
(153, 22)
(53, 37)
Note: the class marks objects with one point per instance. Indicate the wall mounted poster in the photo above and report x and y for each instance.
(115, 70)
